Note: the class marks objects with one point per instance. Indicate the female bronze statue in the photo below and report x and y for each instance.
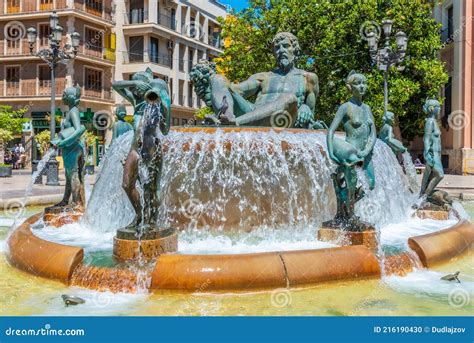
(432, 149)
(356, 150)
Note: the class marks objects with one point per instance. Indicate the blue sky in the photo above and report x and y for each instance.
(236, 4)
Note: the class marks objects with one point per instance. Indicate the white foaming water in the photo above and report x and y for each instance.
(410, 172)
(245, 180)
(259, 240)
(397, 234)
(427, 283)
(108, 206)
(78, 234)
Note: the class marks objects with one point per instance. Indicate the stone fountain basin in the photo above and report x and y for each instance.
(241, 272)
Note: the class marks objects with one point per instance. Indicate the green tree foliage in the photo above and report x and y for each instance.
(43, 138)
(330, 35)
(11, 122)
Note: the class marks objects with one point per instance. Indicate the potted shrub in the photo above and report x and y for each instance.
(5, 170)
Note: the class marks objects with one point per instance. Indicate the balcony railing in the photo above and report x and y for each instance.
(215, 42)
(31, 88)
(100, 94)
(21, 47)
(136, 16)
(167, 21)
(140, 16)
(101, 9)
(97, 52)
(160, 59)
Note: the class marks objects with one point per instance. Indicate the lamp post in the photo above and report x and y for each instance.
(53, 56)
(386, 56)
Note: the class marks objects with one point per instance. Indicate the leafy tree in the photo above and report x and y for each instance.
(11, 122)
(43, 138)
(330, 35)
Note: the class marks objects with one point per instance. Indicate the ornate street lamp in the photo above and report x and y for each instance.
(387, 57)
(53, 56)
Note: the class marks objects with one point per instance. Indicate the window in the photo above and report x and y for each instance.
(44, 32)
(13, 74)
(46, 5)
(153, 50)
(13, 6)
(136, 49)
(13, 81)
(44, 73)
(93, 79)
(447, 103)
(93, 41)
(94, 6)
(450, 21)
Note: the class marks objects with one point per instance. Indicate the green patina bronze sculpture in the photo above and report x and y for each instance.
(120, 126)
(285, 96)
(134, 91)
(433, 173)
(386, 134)
(69, 141)
(355, 151)
(144, 161)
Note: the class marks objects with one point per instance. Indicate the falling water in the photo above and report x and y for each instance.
(246, 180)
(108, 208)
(410, 172)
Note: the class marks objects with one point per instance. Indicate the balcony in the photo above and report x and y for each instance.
(215, 42)
(160, 59)
(97, 52)
(97, 94)
(30, 88)
(141, 16)
(167, 21)
(102, 9)
(22, 48)
(136, 16)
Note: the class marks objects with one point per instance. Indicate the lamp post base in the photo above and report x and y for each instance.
(52, 171)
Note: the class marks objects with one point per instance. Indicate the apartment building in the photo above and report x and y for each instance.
(169, 36)
(456, 17)
(25, 80)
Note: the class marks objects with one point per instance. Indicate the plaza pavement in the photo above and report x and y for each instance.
(13, 189)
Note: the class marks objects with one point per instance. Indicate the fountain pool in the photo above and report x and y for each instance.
(239, 193)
